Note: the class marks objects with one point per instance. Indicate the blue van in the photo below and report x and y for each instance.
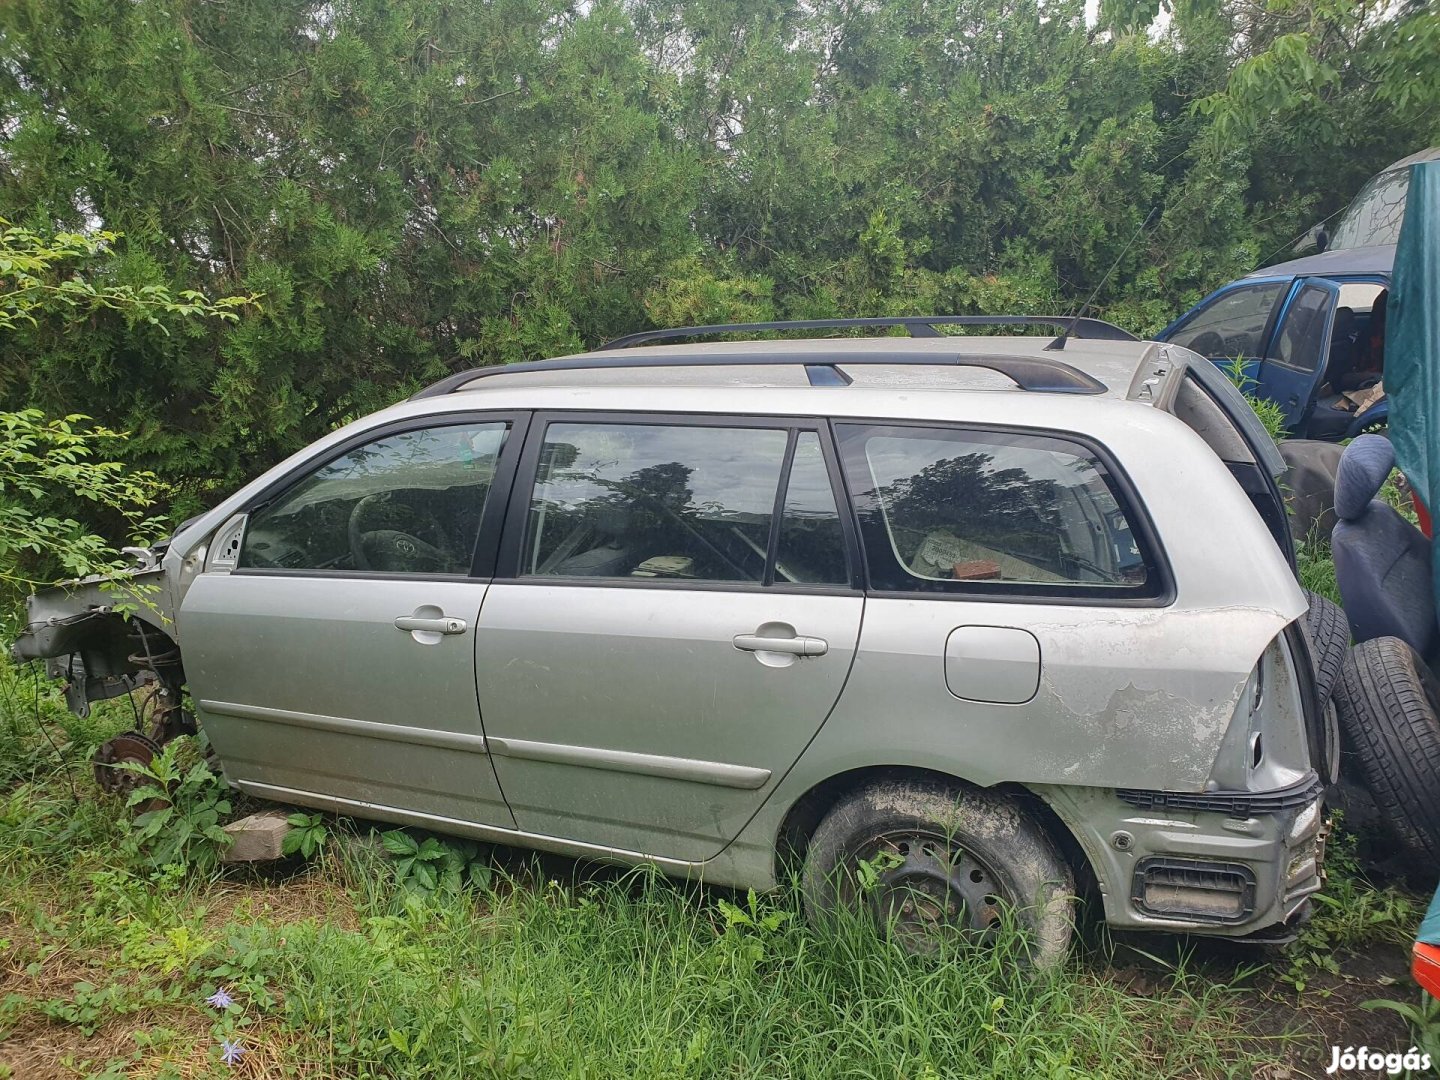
(1307, 332)
(1301, 332)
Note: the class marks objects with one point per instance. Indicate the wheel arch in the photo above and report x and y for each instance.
(805, 813)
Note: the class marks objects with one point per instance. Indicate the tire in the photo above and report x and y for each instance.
(1388, 701)
(965, 854)
(1327, 631)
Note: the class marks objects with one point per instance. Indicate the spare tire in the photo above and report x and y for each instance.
(1327, 631)
(1389, 704)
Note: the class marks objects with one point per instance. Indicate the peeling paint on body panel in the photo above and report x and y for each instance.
(1128, 698)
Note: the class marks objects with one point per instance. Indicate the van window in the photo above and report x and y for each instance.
(1233, 324)
(1297, 346)
(1374, 216)
(953, 510)
(680, 502)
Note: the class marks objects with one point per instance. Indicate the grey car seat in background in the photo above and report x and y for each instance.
(1382, 562)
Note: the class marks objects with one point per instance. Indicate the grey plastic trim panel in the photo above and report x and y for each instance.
(446, 740)
(717, 773)
(455, 826)
(1235, 804)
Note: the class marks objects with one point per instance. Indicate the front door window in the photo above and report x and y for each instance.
(409, 503)
(1297, 346)
(1233, 324)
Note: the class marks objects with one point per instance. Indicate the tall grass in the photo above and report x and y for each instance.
(637, 977)
(634, 977)
(578, 973)
(1317, 568)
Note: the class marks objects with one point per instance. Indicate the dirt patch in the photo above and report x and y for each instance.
(174, 1037)
(178, 1040)
(1297, 1028)
(1330, 1011)
(252, 897)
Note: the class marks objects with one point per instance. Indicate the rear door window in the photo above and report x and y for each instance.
(811, 546)
(657, 502)
(965, 511)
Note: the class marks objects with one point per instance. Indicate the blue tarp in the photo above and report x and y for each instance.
(1412, 341)
(1430, 927)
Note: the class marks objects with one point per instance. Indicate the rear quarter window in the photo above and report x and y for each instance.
(952, 510)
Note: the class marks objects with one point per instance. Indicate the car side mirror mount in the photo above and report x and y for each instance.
(224, 553)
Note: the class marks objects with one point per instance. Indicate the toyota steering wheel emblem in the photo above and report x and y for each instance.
(405, 547)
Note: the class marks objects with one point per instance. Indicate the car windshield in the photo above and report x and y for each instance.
(1373, 216)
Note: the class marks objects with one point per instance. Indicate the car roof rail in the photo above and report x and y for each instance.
(1040, 374)
(917, 325)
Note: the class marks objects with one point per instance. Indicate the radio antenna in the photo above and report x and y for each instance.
(1059, 342)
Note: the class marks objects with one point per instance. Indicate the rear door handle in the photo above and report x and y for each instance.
(444, 625)
(795, 646)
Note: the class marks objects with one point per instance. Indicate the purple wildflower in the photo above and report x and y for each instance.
(230, 1052)
(221, 999)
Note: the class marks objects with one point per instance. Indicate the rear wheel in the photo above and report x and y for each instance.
(1389, 705)
(928, 862)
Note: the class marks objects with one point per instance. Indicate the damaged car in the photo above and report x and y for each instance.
(940, 626)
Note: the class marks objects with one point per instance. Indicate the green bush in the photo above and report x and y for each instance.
(48, 463)
(1271, 415)
(184, 830)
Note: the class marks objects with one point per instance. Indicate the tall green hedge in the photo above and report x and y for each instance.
(417, 185)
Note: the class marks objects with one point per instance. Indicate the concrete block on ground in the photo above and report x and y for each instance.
(258, 838)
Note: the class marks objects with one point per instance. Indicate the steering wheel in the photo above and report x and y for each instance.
(1208, 343)
(376, 545)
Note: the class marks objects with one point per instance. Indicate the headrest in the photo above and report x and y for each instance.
(1364, 467)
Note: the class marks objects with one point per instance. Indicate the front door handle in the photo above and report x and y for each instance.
(442, 625)
(795, 646)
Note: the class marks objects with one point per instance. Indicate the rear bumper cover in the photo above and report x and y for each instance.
(1233, 871)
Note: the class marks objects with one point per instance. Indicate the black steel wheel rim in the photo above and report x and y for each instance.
(923, 886)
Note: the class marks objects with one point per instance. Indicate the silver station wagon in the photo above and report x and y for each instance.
(998, 617)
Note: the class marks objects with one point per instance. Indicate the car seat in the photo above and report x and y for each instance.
(1327, 421)
(1342, 345)
(1382, 562)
